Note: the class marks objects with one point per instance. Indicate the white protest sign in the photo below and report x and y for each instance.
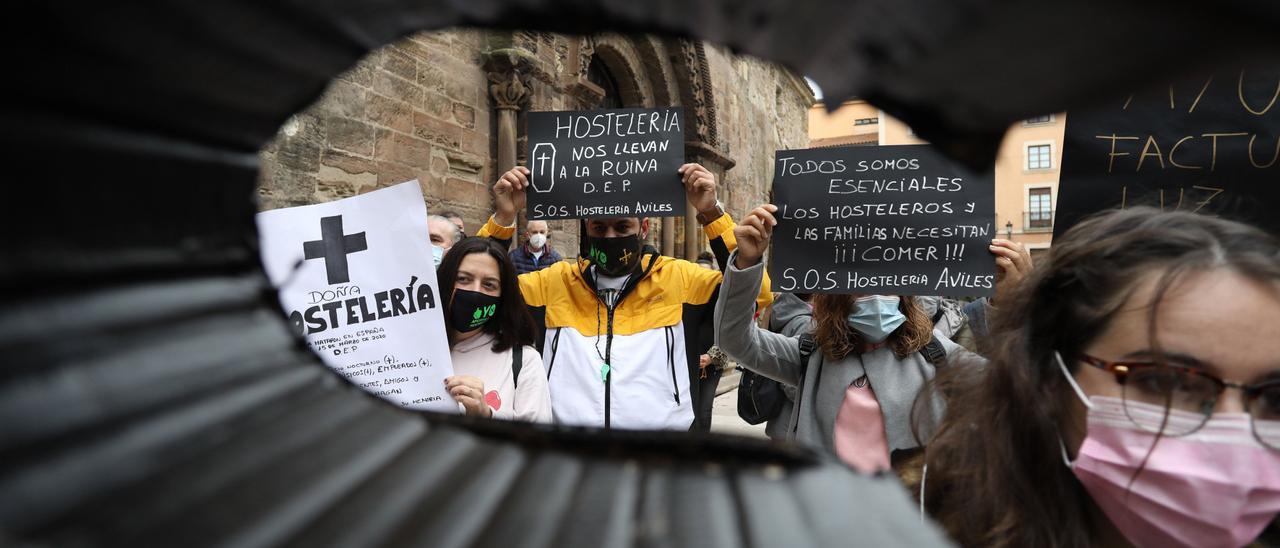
(356, 276)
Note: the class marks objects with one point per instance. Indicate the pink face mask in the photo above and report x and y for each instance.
(1218, 486)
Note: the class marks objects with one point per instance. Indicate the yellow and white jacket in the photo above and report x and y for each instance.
(653, 341)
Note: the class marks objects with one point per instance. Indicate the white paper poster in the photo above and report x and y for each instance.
(356, 277)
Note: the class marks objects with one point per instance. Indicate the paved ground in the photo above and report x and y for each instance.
(724, 416)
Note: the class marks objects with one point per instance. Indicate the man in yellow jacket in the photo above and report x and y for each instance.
(624, 325)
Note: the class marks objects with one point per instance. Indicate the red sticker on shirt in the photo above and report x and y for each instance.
(493, 400)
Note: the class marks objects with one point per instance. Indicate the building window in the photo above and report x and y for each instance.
(1038, 120)
(1038, 157)
(1039, 208)
(866, 121)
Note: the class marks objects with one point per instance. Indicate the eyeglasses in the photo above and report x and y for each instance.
(1190, 394)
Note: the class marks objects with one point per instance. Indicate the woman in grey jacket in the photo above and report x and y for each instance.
(874, 353)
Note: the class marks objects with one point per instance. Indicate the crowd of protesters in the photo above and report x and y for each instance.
(1123, 391)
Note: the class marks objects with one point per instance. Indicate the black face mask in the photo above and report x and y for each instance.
(613, 256)
(471, 310)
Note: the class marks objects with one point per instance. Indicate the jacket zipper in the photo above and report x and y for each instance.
(608, 376)
(608, 344)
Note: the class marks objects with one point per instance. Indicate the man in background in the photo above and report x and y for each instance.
(444, 233)
(535, 254)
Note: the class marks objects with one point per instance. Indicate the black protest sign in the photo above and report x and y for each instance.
(606, 163)
(1207, 145)
(890, 220)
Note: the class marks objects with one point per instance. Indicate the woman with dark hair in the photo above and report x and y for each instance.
(496, 371)
(1132, 394)
(873, 354)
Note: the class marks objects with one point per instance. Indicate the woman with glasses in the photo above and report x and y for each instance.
(1132, 397)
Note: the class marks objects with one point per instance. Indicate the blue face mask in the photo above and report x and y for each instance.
(876, 317)
(437, 253)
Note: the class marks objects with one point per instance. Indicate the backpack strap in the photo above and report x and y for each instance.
(807, 346)
(934, 352)
(517, 361)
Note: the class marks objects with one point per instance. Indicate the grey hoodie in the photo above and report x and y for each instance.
(952, 318)
(822, 384)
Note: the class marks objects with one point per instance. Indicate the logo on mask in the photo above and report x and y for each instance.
(483, 314)
(470, 309)
(597, 256)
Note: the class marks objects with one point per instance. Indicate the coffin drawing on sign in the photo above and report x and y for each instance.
(544, 167)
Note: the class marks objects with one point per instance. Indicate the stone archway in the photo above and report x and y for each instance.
(641, 66)
(622, 60)
(672, 72)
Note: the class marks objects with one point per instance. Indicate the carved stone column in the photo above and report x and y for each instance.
(702, 142)
(575, 81)
(508, 71)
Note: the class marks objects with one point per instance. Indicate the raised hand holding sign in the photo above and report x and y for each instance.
(753, 235)
(699, 187)
(1013, 262)
(509, 195)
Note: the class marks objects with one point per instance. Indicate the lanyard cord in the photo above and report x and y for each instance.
(607, 368)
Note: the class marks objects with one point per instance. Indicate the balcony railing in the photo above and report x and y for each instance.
(1037, 221)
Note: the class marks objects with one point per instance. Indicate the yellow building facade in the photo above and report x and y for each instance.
(1026, 170)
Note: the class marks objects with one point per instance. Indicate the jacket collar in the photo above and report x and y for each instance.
(649, 258)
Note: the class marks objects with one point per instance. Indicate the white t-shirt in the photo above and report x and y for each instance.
(609, 282)
(615, 283)
(530, 401)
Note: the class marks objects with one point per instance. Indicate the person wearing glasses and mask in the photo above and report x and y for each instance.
(622, 324)
(1132, 396)
(860, 366)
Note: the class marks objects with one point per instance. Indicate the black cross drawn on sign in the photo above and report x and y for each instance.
(334, 247)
